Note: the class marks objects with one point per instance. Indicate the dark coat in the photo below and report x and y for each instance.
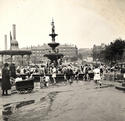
(5, 79)
(13, 71)
(69, 73)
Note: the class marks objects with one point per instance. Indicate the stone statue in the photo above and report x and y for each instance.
(53, 27)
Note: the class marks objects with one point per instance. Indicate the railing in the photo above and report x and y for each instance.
(113, 76)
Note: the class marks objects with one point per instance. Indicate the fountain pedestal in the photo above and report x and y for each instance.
(54, 54)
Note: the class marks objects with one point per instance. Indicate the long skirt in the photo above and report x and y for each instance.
(6, 84)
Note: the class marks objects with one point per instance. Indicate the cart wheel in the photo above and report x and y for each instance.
(22, 91)
(29, 90)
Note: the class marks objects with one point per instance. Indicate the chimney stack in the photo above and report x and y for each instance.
(14, 31)
(5, 37)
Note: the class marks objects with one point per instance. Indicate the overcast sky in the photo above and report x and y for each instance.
(79, 22)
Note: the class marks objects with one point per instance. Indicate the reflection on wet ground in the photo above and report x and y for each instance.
(12, 109)
(61, 102)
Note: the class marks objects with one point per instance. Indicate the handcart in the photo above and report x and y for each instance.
(25, 85)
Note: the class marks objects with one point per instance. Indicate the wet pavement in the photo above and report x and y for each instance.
(82, 101)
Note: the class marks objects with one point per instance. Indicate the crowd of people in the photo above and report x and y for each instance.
(48, 74)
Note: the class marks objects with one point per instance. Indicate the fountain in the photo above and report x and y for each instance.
(54, 54)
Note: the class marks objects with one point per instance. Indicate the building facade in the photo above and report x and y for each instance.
(96, 52)
(13, 42)
(70, 52)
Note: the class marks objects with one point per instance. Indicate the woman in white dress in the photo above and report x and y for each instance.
(97, 75)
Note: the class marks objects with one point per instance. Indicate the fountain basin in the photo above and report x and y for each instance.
(53, 56)
(53, 45)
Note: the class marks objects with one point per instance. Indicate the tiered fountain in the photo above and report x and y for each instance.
(54, 54)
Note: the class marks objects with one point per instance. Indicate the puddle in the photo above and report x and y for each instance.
(11, 108)
(14, 112)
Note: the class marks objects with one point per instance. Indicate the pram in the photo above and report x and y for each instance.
(25, 85)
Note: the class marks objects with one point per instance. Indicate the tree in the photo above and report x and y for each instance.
(114, 51)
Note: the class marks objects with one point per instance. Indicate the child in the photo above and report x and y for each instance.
(44, 81)
(47, 79)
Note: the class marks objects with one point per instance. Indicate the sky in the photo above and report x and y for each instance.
(79, 22)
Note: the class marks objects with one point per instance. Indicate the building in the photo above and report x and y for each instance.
(96, 51)
(13, 41)
(14, 54)
(85, 52)
(70, 52)
(5, 36)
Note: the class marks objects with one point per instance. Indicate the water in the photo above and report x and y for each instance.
(11, 108)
